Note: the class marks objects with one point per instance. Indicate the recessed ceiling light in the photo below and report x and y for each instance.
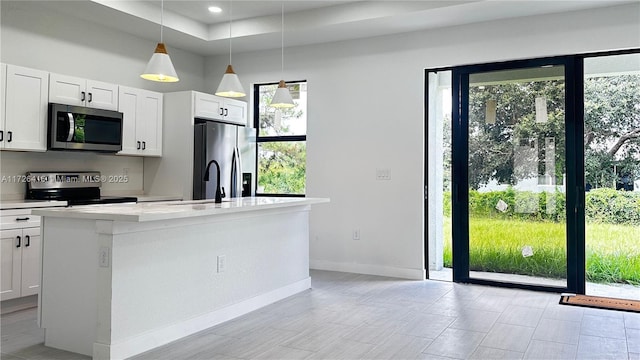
(215, 9)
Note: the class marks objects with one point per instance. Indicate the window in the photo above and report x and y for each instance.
(282, 136)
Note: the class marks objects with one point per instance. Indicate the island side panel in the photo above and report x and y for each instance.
(68, 295)
(166, 283)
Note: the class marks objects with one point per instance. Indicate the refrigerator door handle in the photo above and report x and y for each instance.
(239, 173)
(236, 177)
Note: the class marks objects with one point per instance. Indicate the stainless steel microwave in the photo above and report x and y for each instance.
(82, 128)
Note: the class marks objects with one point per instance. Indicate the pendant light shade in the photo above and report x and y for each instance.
(282, 98)
(230, 85)
(160, 68)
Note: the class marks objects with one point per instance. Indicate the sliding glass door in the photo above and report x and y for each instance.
(517, 227)
(545, 174)
(612, 175)
(510, 174)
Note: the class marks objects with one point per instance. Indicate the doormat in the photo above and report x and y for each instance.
(600, 302)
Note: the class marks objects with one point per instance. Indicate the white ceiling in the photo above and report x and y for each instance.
(197, 10)
(257, 24)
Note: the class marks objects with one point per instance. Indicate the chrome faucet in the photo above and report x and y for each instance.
(219, 193)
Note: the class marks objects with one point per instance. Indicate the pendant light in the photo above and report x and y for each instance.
(230, 85)
(282, 98)
(160, 68)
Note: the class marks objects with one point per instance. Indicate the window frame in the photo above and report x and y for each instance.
(267, 139)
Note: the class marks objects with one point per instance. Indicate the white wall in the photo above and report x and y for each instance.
(16, 163)
(366, 112)
(41, 38)
(365, 109)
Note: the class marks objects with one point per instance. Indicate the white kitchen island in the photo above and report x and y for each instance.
(118, 280)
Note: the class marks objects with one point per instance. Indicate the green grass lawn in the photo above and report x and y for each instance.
(495, 245)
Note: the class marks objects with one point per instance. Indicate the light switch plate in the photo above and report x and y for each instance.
(222, 263)
(383, 174)
(104, 257)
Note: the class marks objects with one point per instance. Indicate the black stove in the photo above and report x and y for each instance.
(103, 200)
(76, 188)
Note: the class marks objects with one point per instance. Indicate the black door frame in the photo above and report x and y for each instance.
(460, 178)
(574, 153)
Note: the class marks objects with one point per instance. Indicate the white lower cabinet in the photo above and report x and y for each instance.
(20, 256)
(142, 124)
(30, 282)
(11, 264)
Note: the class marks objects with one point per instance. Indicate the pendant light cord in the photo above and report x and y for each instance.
(282, 41)
(161, 19)
(230, 23)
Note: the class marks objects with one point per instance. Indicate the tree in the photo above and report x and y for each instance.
(611, 129)
(611, 136)
(492, 146)
(282, 167)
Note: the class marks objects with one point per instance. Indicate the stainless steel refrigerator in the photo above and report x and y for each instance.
(234, 148)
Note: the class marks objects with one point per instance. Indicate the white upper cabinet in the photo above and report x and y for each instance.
(128, 106)
(3, 101)
(71, 90)
(24, 110)
(235, 111)
(208, 106)
(101, 95)
(213, 107)
(149, 123)
(142, 124)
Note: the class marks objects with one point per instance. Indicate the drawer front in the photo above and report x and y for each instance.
(16, 219)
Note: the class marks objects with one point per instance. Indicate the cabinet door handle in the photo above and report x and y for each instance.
(10, 133)
(226, 111)
(1, 135)
(19, 239)
(221, 111)
(90, 97)
(144, 145)
(138, 147)
(22, 219)
(27, 239)
(82, 96)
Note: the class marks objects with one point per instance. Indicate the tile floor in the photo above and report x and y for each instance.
(621, 291)
(351, 316)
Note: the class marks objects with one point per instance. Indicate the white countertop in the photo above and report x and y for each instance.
(29, 204)
(153, 211)
(148, 198)
(32, 204)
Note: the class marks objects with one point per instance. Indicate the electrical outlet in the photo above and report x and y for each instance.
(356, 234)
(383, 174)
(103, 257)
(222, 263)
